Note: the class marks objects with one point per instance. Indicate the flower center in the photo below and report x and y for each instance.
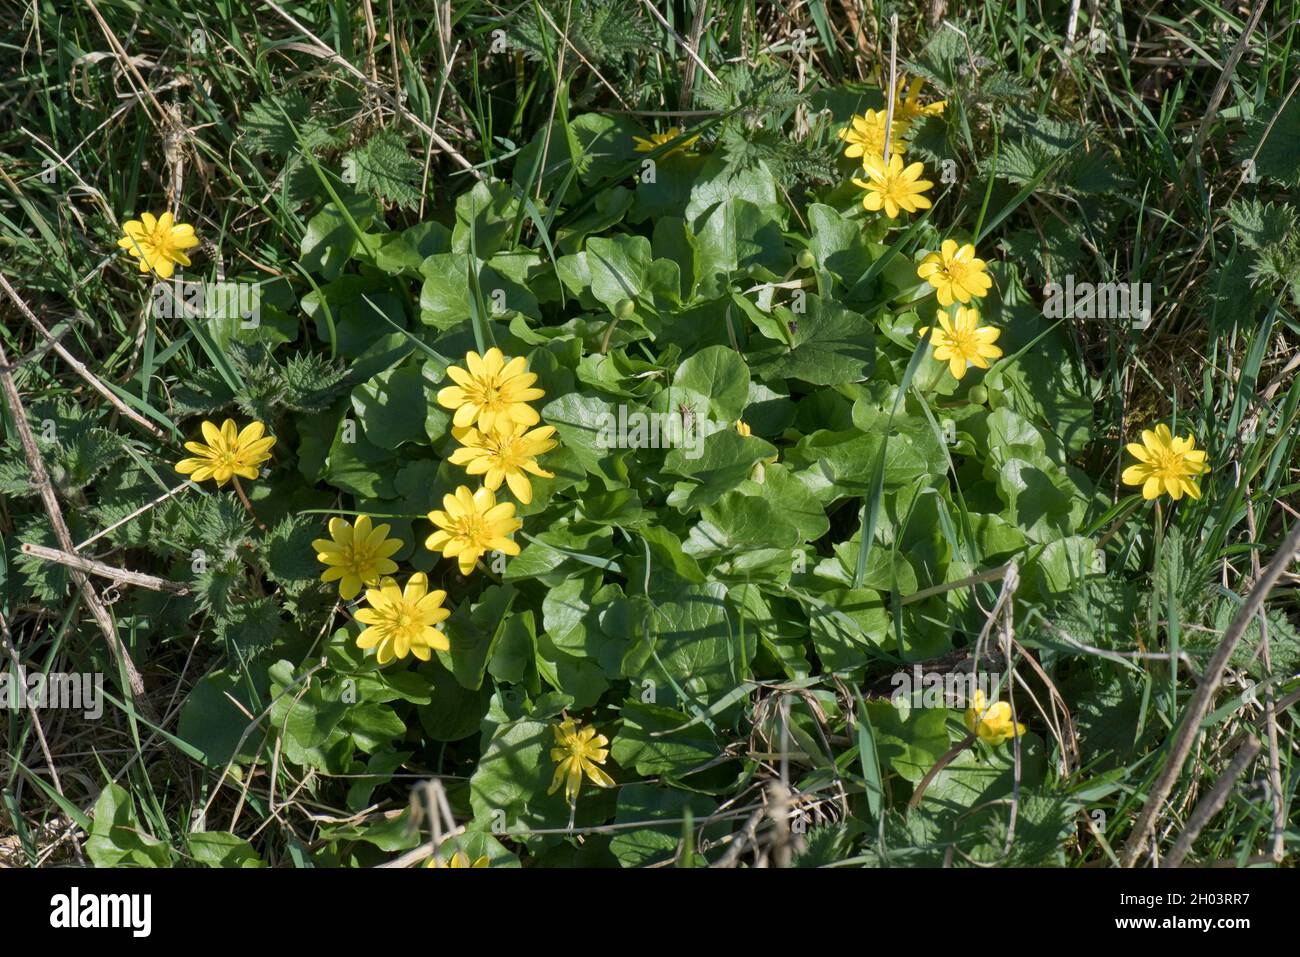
(963, 342)
(1168, 463)
(956, 270)
(471, 528)
(360, 557)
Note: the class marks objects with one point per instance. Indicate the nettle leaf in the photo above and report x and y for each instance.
(252, 625)
(311, 382)
(1259, 225)
(282, 125)
(290, 559)
(384, 167)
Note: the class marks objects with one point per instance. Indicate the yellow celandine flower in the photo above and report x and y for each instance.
(403, 620)
(493, 393)
(908, 108)
(1166, 464)
(459, 859)
(229, 451)
(743, 428)
(893, 187)
(507, 458)
(656, 140)
(470, 524)
(158, 242)
(955, 273)
(356, 556)
(963, 340)
(865, 136)
(992, 722)
(580, 751)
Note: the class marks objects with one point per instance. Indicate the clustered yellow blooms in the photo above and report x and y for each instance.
(891, 186)
(403, 620)
(229, 451)
(504, 457)
(158, 243)
(956, 274)
(865, 136)
(472, 523)
(1165, 464)
(962, 341)
(888, 184)
(656, 140)
(356, 555)
(991, 722)
(579, 752)
(959, 276)
(493, 423)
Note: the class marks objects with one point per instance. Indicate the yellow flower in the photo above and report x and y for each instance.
(356, 556)
(471, 524)
(228, 452)
(493, 394)
(459, 859)
(1166, 464)
(865, 136)
(403, 620)
(743, 428)
(158, 242)
(579, 751)
(893, 187)
(963, 340)
(992, 722)
(500, 457)
(908, 108)
(955, 273)
(656, 140)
